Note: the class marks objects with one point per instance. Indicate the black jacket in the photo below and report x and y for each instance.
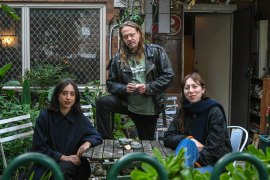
(159, 74)
(217, 139)
(56, 135)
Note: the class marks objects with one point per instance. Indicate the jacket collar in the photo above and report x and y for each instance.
(70, 116)
(148, 50)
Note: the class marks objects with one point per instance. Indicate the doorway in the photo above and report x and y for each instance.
(207, 50)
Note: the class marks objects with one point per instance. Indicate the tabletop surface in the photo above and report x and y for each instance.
(111, 149)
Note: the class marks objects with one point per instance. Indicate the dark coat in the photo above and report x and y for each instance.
(217, 140)
(159, 74)
(56, 135)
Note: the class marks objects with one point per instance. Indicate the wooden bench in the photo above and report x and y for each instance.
(14, 128)
(110, 151)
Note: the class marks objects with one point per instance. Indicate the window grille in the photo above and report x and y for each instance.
(11, 44)
(70, 35)
(55, 34)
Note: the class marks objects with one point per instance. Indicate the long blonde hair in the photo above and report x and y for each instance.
(124, 50)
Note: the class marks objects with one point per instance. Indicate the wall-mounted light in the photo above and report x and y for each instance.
(9, 41)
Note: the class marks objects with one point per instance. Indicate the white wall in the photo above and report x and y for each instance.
(213, 55)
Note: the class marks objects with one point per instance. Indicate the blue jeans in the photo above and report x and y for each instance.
(192, 155)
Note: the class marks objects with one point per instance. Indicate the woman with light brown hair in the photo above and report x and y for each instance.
(199, 126)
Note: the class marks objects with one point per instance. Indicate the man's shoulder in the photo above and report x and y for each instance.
(117, 55)
(153, 46)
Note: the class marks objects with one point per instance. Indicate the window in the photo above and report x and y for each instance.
(54, 33)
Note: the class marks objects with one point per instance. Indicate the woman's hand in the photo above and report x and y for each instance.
(199, 145)
(72, 158)
(82, 148)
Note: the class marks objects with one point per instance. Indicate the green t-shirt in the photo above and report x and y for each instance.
(140, 103)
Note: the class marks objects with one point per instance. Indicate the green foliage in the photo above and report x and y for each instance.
(175, 168)
(122, 123)
(130, 15)
(91, 95)
(249, 172)
(10, 11)
(45, 75)
(45, 176)
(10, 109)
(3, 71)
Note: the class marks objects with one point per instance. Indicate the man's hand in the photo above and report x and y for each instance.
(82, 148)
(141, 88)
(199, 145)
(72, 158)
(131, 87)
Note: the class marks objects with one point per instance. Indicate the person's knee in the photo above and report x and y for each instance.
(101, 101)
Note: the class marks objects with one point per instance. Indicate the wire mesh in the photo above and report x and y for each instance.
(70, 35)
(11, 44)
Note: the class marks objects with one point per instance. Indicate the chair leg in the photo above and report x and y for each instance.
(3, 155)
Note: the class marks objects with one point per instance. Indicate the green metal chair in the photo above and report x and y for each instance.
(33, 157)
(231, 157)
(138, 156)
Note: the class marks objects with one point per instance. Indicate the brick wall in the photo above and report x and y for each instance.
(110, 12)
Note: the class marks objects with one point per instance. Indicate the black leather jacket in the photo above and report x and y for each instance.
(159, 74)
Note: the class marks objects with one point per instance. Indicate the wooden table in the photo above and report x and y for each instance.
(110, 150)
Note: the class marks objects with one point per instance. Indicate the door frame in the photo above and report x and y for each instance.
(212, 8)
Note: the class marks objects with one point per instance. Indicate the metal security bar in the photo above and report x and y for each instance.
(52, 34)
(67, 35)
(11, 44)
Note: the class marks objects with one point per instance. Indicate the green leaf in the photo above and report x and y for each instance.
(248, 174)
(32, 175)
(149, 169)
(26, 98)
(267, 152)
(128, 11)
(186, 174)
(4, 69)
(12, 83)
(230, 167)
(10, 11)
(50, 93)
(91, 83)
(128, 124)
(158, 155)
(225, 176)
(11, 93)
(139, 175)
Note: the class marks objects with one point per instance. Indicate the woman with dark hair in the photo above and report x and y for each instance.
(64, 133)
(199, 126)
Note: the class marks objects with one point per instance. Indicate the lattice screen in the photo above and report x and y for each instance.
(67, 34)
(55, 35)
(11, 45)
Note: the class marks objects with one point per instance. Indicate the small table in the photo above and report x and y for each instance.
(110, 150)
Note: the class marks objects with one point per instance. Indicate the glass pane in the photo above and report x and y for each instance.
(11, 44)
(71, 36)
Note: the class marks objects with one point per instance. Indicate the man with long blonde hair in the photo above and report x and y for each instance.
(138, 77)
